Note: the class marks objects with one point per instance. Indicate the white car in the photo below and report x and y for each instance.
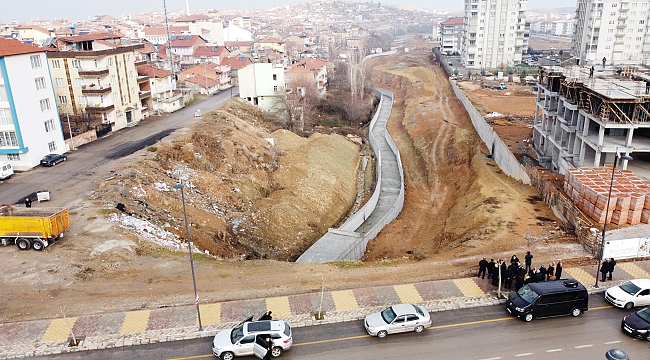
(247, 339)
(630, 294)
(396, 319)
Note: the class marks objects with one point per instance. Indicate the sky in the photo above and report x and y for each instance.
(26, 10)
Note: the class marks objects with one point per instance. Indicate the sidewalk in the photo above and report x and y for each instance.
(46, 337)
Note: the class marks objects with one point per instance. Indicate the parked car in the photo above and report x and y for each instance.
(547, 299)
(245, 339)
(630, 294)
(53, 159)
(637, 324)
(6, 170)
(396, 319)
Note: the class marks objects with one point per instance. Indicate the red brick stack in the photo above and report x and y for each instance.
(589, 190)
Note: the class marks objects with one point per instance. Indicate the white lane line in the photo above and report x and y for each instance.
(583, 346)
(494, 358)
(612, 342)
(553, 350)
(524, 354)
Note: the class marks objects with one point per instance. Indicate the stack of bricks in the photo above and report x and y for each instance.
(589, 190)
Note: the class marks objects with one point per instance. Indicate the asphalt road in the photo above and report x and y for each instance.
(94, 161)
(484, 333)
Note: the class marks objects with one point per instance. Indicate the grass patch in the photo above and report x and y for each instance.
(349, 264)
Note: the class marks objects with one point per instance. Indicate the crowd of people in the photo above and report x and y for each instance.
(520, 274)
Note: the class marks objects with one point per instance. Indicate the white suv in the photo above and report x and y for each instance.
(242, 340)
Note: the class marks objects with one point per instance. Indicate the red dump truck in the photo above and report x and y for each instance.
(34, 228)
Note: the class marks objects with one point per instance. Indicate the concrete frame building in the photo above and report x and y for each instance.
(581, 121)
(29, 123)
(612, 29)
(261, 83)
(451, 35)
(494, 33)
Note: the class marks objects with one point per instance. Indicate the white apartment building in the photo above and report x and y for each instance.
(612, 29)
(495, 33)
(29, 123)
(451, 35)
(562, 28)
(260, 84)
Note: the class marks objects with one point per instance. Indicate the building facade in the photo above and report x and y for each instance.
(614, 30)
(495, 34)
(29, 123)
(451, 35)
(261, 83)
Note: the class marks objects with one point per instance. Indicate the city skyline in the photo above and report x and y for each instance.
(32, 10)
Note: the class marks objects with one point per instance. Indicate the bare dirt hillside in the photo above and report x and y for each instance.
(247, 199)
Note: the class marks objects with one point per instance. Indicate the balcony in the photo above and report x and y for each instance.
(93, 72)
(96, 90)
(620, 26)
(99, 108)
(141, 62)
(142, 79)
(145, 94)
(622, 17)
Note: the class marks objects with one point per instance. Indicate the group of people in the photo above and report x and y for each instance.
(607, 268)
(500, 271)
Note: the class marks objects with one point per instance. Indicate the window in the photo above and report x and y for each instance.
(3, 93)
(113, 79)
(83, 100)
(13, 156)
(275, 77)
(610, 31)
(36, 61)
(79, 82)
(641, 21)
(128, 57)
(5, 117)
(275, 87)
(49, 125)
(45, 104)
(8, 138)
(59, 82)
(63, 99)
(56, 64)
(118, 113)
(110, 61)
(638, 38)
(76, 64)
(52, 146)
(40, 83)
(115, 96)
(132, 90)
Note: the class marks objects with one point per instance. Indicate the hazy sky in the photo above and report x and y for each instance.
(25, 10)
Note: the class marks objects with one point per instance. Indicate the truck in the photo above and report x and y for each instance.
(32, 228)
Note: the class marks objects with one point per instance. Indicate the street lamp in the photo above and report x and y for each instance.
(611, 184)
(189, 246)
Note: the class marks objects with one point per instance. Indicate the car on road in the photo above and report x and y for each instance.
(6, 170)
(53, 159)
(548, 299)
(245, 339)
(629, 294)
(396, 319)
(637, 324)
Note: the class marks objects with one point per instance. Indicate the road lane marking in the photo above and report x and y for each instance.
(524, 354)
(583, 346)
(612, 342)
(367, 336)
(494, 358)
(553, 350)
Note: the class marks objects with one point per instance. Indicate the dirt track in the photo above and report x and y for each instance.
(459, 207)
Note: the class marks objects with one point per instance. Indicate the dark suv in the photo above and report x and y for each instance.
(549, 298)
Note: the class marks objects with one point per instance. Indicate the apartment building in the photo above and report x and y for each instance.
(451, 35)
(582, 120)
(614, 30)
(261, 83)
(495, 33)
(96, 81)
(29, 123)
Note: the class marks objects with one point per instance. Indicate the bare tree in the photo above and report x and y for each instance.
(296, 105)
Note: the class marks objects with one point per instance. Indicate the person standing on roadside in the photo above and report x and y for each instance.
(550, 272)
(28, 202)
(558, 270)
(542, 270)
(604, 269)
(612, 263)
(269, 348)
(529, 261)
(514, 259)
(482, 267)
(490, 269)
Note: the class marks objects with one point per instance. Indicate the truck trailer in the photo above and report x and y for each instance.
(32, 228)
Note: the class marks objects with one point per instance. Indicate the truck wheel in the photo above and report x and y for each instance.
(23, 244)
(38, 245)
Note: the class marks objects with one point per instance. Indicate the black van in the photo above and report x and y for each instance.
(549, 298)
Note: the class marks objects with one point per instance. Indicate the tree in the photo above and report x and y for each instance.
(295, 106)
(483, 72)
(469, 74)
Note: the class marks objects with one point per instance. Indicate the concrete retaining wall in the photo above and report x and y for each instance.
(507, 162)
(81, 139)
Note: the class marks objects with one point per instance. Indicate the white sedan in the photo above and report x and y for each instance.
(396, 319)
(630, 294)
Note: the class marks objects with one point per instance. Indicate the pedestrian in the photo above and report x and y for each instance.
(510, 276)
(28, 202)
(558, 270)
(539, 277)
(266, 316)
(269, 348)
(495, 273)
(514, 259)
(529, 260)
(542, 270)
(482, 267)
(591, 72)
(550, 272)
(490, 269)
(504, 268)
(604, 269)
(604, 61)
(612, 263)
(647, 86)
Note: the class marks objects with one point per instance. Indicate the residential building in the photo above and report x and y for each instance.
(183, 48)
(494, 34)
(614, 30)
(96, 81)
(158, 34)
(160, 85)
(243, 22)
(29, 123)
(209, 29)
(308, 72)
(219, 74)
(273, 44)
(562, 28)
(261, 83)
(451, 35)
(210, 53)
(235, 63)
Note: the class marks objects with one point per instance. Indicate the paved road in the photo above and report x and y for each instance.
(477, 333)
(94, 161)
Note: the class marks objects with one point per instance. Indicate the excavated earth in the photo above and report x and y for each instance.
(257, 196)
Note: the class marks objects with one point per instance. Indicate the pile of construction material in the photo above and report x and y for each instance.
(589, 190)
